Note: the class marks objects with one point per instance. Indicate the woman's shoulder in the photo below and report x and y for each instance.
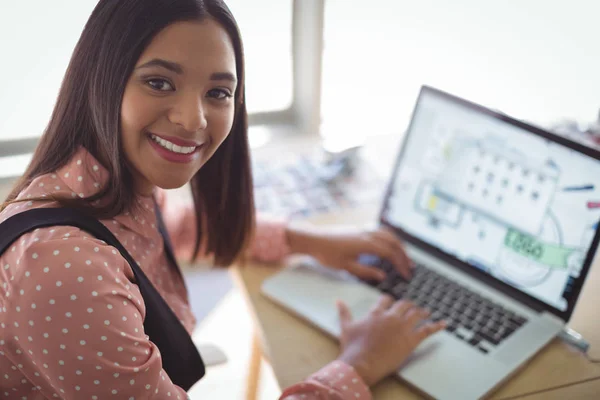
(64, 255)
(59, 247)
(81, 177)
(61, 239)
(37, 189)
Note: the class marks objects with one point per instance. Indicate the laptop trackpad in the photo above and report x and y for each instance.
(311, 291)
(440, 364)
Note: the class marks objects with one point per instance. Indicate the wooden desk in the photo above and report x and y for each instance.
(295, 349)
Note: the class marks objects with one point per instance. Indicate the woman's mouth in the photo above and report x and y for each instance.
(181, 152)
(172, 146)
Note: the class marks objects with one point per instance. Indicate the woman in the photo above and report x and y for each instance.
(153, 99)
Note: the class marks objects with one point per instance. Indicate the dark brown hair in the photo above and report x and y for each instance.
(87, 114)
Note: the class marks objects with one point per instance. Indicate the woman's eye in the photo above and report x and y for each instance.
(160, 85)
(220, 94)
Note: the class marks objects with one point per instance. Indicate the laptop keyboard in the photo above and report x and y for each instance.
(472, 318)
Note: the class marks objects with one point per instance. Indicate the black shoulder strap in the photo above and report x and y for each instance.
(180, 357)
(166, 240)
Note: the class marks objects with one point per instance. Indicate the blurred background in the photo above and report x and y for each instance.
(347, 71)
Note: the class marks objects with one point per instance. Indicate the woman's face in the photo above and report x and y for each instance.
(178, 105)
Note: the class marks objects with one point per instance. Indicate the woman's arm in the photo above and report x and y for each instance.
(336, 381)
(275, 239)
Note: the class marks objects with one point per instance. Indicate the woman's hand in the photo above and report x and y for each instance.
(378, 344)
(342, 249)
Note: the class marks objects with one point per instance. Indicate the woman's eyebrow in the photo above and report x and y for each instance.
(159, 62)
(178, 69)
(223, 76)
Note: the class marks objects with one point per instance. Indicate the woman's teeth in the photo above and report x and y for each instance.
(171, 146)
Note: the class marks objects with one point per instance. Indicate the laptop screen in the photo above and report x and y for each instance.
(496, 196)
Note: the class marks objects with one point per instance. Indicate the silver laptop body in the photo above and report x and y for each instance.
(501, 220)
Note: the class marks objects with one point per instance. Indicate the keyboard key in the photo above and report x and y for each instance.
(489, 337)
(436, 316)
(485, 345)
(402, 286)
(505, 332)
(496, 325)
(466, 334)
(518, 321)
(475, 340)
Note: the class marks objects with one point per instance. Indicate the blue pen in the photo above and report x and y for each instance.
(578, 188)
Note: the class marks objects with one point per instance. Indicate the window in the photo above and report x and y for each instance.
(536, 60)
(37, 41)
(266, 27)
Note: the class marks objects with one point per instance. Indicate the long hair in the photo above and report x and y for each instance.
(87, 114)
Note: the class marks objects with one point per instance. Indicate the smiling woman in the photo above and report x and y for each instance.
(154, 99)
(187, 96)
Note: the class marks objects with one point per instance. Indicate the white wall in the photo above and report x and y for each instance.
(536, 59)
(36, 42)
(37, 38)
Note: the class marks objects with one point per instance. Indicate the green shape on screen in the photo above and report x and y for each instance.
(529, 246)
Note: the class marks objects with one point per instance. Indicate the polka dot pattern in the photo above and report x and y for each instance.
(336, 381)
(71, 320)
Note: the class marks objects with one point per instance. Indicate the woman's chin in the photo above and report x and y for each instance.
(170, 182)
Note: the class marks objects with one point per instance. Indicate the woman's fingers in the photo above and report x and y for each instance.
(385, 246)
(384, 303)
(383, 251)
(427, 329)
(401, 307)
(365, 272)
(344, 314)
(415, 316)
(391, 238)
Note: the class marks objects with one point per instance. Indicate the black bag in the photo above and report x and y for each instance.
(180, 357)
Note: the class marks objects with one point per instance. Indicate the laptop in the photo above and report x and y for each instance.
(501, 220)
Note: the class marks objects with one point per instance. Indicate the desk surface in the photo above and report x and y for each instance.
(296, 349)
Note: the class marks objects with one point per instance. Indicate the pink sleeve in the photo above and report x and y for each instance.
(336, 381)
(76, 324)
(269, 243)
(270, 240)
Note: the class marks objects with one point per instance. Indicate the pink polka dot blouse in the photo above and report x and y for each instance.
(71, 320)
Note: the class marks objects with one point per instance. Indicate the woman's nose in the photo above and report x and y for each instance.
(190, 114)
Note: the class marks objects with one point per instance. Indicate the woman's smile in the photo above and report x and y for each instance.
(175, 149)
